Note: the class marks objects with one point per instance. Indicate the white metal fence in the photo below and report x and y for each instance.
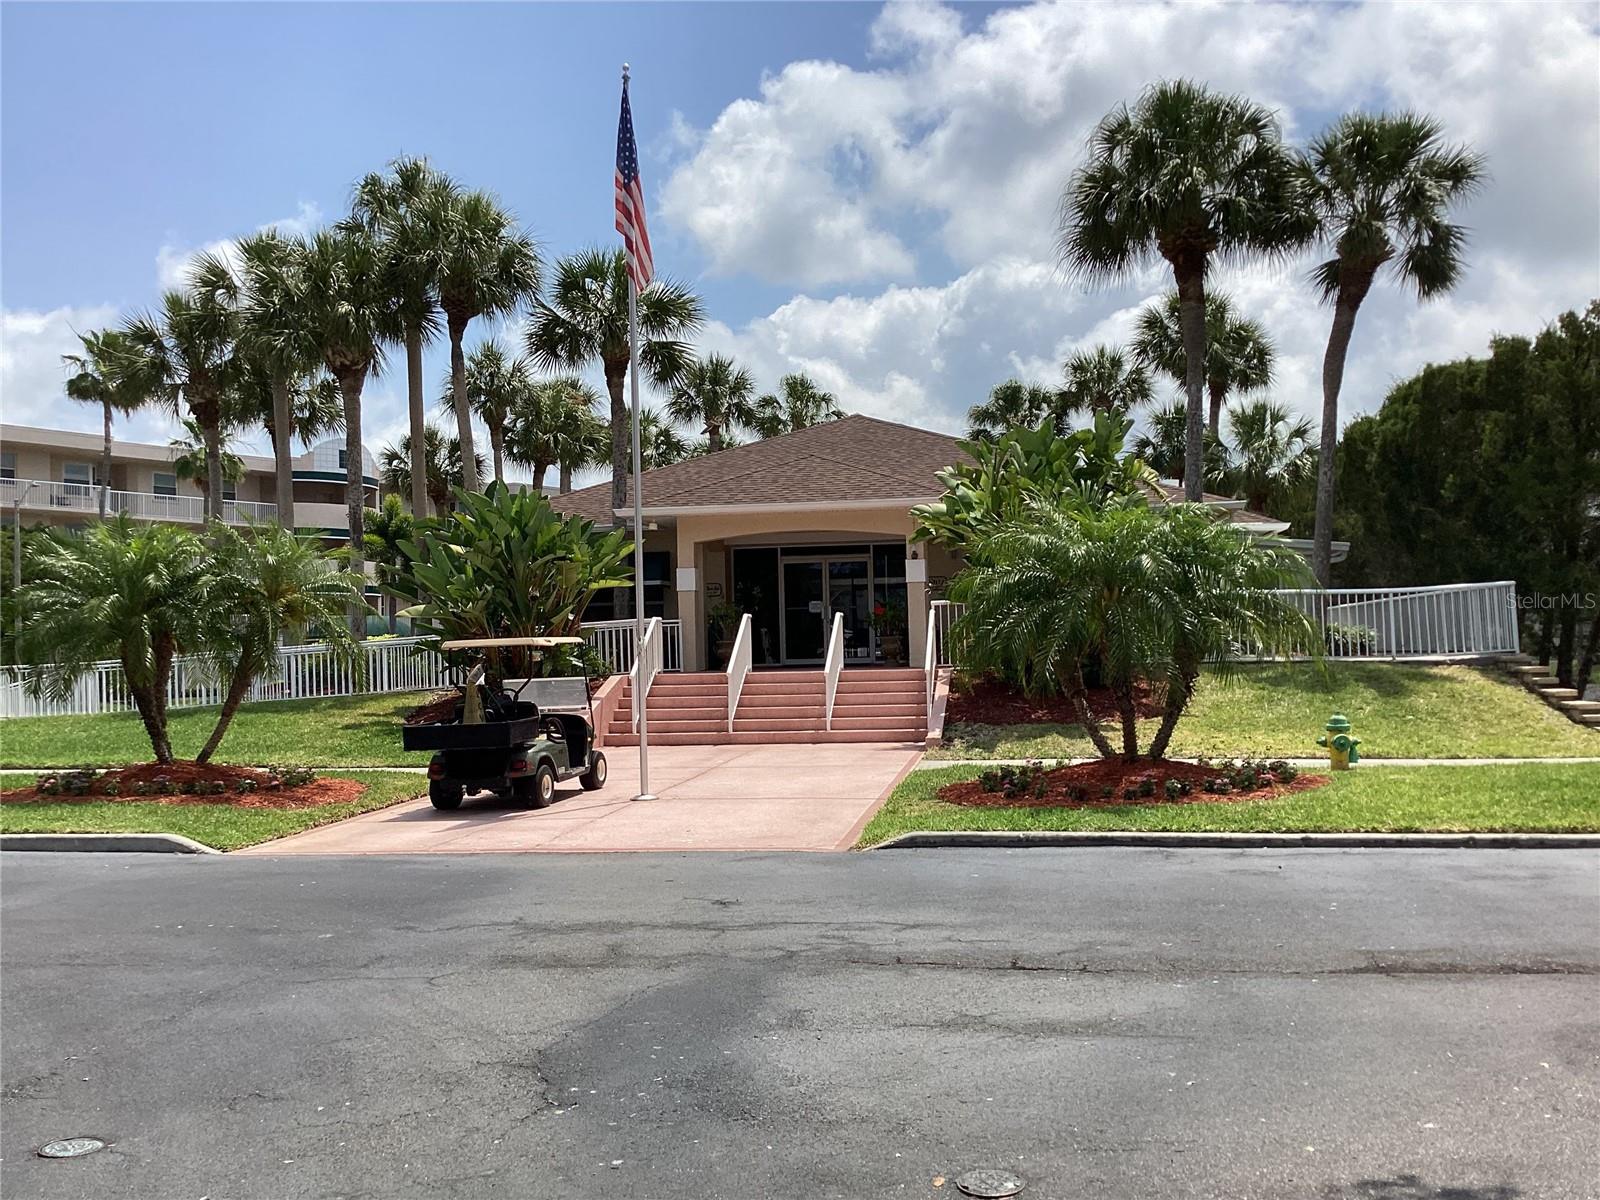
(1447, 621)
(42, 494)
(614, 641)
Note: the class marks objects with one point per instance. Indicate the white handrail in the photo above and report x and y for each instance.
(613, 640)
(738, 667)
(831, 667)
(930, 666)
(649, 658)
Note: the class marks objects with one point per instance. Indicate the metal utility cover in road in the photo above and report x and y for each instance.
(71, 1147)
(990, 1184)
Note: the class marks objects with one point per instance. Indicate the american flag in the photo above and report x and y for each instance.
(630, 199)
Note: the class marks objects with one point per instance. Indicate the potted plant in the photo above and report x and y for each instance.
(722, 626)
(889, 623)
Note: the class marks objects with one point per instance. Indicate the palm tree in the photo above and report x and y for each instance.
(274, 348)
(94, 379)
(1102, 380)
(586, 440)
(1191, 177)
(442, 466)
(585, 320)
(349, 314)
(397, 206)
(483, 266)
(272, 587)
(388, 528)
(316, 410)
(1381, 186)
(661, 444)
(191, 459)
(1165, 442)
(716, 396)
(553, 423)
(1011, 405)
(495, 385)
(187, 353)
(1271, 449)
(798, 404)
(1239, 354)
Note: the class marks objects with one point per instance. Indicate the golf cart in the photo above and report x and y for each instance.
(516, 740)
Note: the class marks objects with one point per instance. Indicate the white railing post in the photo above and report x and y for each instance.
(831, 666)
(930, 667)
(738, 667)
(646, 667)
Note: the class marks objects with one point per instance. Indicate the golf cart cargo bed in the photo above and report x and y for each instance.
(490, 735)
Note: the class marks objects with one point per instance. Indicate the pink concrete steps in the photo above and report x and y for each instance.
(871, 705)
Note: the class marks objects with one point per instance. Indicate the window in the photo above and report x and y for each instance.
(164, 483)
(8, 465)
(230, 491)
(77, 481)
(616, 604)
(344, 460)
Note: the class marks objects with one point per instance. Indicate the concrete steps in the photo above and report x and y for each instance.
(1565, 700)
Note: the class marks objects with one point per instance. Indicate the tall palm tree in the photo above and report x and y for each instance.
(94, 379)
(585, 320)
(349, 314)
(191, 461)
(1239, 354)
(397, 206)
(1165, 443)
(661, 443)
(442, 472)
(1102, 380)
(1191, 177)
(798, 404)
(715, 395)
(553, 424)
(1381, 186)
(1272, 451)
(496, 385)
(483, 266)
(186, 353)
(1011, 405)
(586, 439)
(276, 355)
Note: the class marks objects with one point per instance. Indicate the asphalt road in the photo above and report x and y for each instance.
(1381, 1025)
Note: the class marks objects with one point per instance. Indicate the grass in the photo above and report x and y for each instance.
(344, 731)
(1398, 711)
(217, 825)
(1514, 797)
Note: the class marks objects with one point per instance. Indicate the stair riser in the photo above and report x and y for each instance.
(806, 738)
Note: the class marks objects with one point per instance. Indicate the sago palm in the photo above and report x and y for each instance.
(495, 385)
(93, 378)
(1381, 187)
(1012, 405)
(1193, 178)
(1103, 380)
(1272, 451)
(1239, 354)
(797, 404)
(717, 397)
(483, 266)
(397, 206)
(584, 320)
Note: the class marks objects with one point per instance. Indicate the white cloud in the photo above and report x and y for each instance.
(173, 260)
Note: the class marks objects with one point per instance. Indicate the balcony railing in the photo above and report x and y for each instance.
(41, 495)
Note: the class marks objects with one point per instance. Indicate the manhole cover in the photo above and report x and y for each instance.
(989, 1184)
(71, 1147)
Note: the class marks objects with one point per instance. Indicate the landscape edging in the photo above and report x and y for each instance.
(1018, 839)
(118, 843)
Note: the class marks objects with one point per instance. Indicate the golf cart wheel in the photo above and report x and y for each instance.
(595, 777)
(446, 797)
(539, 789)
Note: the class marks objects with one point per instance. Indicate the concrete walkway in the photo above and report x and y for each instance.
(709, 798)
(1305, 764)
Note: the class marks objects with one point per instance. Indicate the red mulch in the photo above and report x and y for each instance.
(990, 701)
(308, 795)
(1117, 774)
(434, 709)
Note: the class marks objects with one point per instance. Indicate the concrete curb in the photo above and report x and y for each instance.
(1307, 764)
(929, 839)
(120, 843)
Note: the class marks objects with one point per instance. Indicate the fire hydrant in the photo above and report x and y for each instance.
(1342, 752)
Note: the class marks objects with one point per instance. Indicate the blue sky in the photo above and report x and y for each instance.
(864, 192)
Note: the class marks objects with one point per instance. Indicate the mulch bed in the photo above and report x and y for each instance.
(989, 701)
(1116, 774)
(269, 793)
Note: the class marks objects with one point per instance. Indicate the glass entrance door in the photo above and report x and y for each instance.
(813, 590)
(804, 616)
(850, 593)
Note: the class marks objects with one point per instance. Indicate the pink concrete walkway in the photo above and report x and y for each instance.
(710, 798)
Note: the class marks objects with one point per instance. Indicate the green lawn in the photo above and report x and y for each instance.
(346, 731)
(217, 825)
(1515, 797)
(1273, 710)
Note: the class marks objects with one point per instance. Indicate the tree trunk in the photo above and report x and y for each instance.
(419, 423)
(1567, 643)
(154, 729)
(1547, 634)
(1591, 649)
(621, 435)
(151, 699)
(1078, 696)
(497, 449)
(350, 385)
(566, 478)
(211, 433)
(540, 470)
(458, 391)
(282, 444)
(1129, 714)
(1178, 697)
(1344, 323)
(713, 437)
(105, 461)
(1192, 319)
(238, 686)
(1218, 390)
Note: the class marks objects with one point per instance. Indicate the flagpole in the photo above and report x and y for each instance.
(638, 532)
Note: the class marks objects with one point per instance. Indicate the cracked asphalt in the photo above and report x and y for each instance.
(1335, 1025)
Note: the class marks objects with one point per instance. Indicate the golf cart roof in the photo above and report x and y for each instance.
(537, 643)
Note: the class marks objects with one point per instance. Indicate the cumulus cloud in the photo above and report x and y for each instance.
(173, 260)
(927, 182)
